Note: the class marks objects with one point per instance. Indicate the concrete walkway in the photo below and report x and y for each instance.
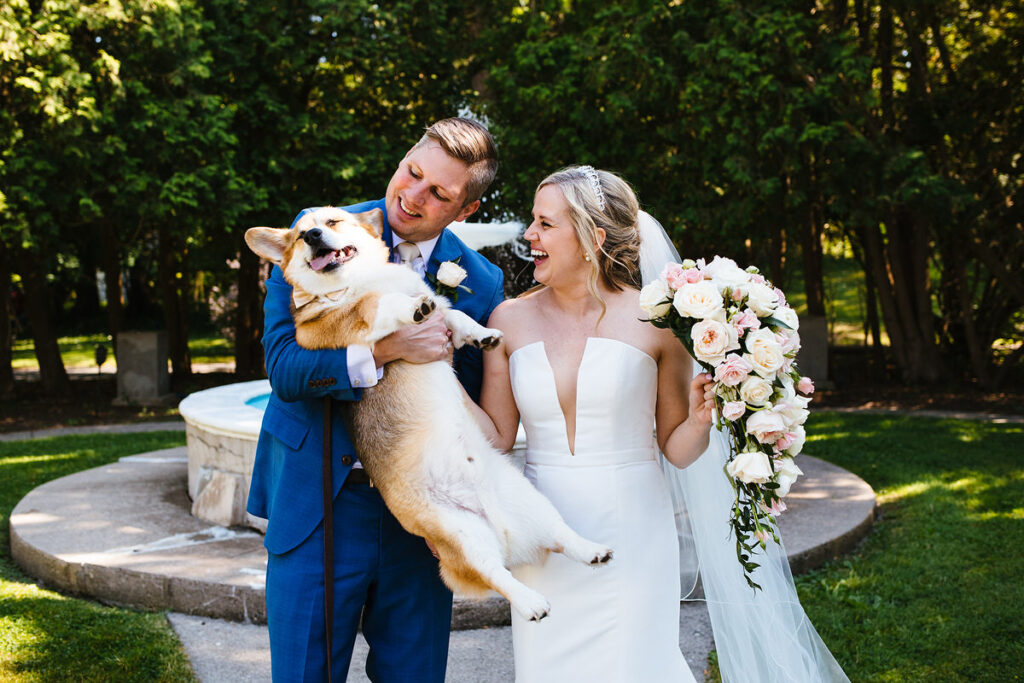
(122, 533)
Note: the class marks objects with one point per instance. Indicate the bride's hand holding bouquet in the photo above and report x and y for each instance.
(741, 332)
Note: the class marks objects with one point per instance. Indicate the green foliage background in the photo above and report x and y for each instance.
(143, 137)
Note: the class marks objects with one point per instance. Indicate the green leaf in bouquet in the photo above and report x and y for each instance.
(772, 321)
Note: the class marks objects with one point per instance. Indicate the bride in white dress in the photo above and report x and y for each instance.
(591, 381)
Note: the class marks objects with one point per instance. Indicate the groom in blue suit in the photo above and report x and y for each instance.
(383, 576)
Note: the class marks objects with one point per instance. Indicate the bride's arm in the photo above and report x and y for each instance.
(497, 413)
(684, 410)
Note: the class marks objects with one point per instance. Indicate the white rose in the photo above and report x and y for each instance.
(764, 352)
(451, 274)
(800, 438)
(698, 300)
(656, 299)
(712, 339)
(786, 472)
(766, 426)
(792, 411)
(787, 316)
(750, 468)
(725, 274)
(756, 391)
(761, 299)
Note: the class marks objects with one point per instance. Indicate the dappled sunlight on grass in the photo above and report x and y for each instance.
(25, 459)
(45, 636)
(933, 592)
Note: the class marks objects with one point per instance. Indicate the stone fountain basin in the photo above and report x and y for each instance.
(222, 426)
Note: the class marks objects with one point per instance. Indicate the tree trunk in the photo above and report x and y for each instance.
(975, 348)
(6, 312)
(814, 270)
(112, 282)
(248, 317)
(884, 57)
(172, 285)
(52, 374)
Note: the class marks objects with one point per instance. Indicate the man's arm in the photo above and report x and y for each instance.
(296, 373)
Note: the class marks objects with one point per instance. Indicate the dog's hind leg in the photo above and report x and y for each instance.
(479, 552)
(535, 521)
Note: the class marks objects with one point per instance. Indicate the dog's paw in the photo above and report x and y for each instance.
(487, 341)
(532, 607)
(424, 307)
(602, 556)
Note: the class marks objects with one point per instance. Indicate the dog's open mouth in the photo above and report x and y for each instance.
(329, 259)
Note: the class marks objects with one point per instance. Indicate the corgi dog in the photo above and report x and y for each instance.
(416, 438)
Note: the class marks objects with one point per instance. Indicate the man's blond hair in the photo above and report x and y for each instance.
(470, 143)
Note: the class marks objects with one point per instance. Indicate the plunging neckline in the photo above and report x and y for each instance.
(570, 444)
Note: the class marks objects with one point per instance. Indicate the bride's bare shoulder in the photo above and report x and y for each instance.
(511, 313)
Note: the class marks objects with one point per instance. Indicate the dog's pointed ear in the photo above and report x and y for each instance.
(269, 243)
(373, 220)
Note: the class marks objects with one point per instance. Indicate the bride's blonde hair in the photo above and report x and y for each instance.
(601, 199)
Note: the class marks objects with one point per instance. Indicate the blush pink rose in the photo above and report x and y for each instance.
(746, 320)
(693, 275)
(674, 275)
(733, 370)
(733, 410)
(785, 441)
(805, 386)
(758, 278)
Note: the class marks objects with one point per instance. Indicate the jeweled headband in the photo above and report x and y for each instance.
(595, 182)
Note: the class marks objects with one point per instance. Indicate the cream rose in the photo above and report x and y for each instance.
(756, 391)
(733, 410)
(750, 468)
(698, 300)
(764, 352)
(787, 316)
(725, 274)
(656, 299)
(761, 299)
(712, 340)
(799, 439)
(766, 426)
(451, 274)
(786, 473)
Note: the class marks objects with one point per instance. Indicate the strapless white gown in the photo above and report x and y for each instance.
(618, 622)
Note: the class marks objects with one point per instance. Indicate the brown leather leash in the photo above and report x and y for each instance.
(328, 490)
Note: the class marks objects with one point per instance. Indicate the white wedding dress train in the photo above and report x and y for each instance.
(618, 622)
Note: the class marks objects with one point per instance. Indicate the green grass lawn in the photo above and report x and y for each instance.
(935, 591)
(79, 352)
(45, 636)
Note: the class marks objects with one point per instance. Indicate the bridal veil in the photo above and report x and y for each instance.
(761, 636)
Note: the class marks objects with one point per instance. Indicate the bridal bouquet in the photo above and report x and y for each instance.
(740, 330)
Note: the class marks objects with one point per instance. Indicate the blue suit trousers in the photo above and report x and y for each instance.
(408, 609)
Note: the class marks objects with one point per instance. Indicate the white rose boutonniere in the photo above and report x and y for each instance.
(448, 280)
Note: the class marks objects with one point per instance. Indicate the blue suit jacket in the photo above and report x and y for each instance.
(286, 477)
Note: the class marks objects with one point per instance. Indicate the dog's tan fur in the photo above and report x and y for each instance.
(416, 439)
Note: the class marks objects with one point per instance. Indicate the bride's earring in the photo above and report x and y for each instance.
(586, 257)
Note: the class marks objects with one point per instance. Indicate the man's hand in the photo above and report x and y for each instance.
(423, 343)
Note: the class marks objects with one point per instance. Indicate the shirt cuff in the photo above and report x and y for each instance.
(362, 369)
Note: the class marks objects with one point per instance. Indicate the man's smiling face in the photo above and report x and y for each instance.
(426, 193)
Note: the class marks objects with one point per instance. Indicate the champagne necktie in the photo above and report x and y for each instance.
(410, 255)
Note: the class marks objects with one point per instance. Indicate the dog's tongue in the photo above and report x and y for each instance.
(320, 262)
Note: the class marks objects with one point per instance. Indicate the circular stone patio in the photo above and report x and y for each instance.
(123, 534)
